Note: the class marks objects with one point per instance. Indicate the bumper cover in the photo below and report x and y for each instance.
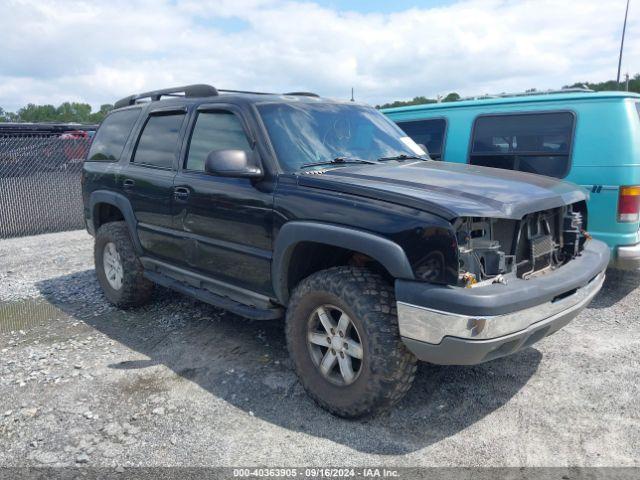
(451, 325)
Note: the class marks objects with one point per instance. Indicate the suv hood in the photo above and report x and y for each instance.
(451, 190)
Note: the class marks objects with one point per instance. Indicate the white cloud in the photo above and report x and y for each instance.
(56, 50)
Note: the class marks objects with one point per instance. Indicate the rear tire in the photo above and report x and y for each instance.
(386, 369)
(118, 268)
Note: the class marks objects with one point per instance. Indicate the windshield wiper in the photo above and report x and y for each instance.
(402, 156)
(338, 161)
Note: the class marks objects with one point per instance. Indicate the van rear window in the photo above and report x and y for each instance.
(429, 133)
(536, 142)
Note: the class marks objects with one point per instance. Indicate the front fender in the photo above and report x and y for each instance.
(388, 253)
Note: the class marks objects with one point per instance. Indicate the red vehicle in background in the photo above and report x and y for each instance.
(76, 144)
(27, 148)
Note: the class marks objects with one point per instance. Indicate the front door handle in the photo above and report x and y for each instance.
(181, 193)
(128, 183)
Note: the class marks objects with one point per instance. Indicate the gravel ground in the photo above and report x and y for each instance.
(181, 383)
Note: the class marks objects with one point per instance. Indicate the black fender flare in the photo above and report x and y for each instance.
(122, 203)
(388, 253)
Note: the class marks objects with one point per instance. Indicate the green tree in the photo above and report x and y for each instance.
(414, 101)
(67, 112)
(73, 112)
(634, 85)
(98, 116)
(7, 116)
(37, 113)
(452, 97)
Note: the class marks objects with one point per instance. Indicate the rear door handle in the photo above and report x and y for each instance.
(181, 193)
(128, 183)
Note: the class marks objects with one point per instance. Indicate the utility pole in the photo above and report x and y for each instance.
(624, 28)
(352, 99)
(626, 80)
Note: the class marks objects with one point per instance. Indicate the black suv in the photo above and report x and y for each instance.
(326, 213)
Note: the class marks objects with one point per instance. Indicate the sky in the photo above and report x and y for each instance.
(99, 51)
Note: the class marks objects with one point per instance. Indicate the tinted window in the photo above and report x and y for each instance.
(112, 135)
(638, 108)
(535, 143)
(429, 133)
(159, 140)
(215, 131)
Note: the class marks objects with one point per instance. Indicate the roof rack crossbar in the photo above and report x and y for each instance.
(197, 90)
(292, 94)
(247, 92)
(302, 94)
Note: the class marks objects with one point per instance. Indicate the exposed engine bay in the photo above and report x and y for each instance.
(493, 250)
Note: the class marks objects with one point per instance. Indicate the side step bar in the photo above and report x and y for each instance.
(215, 300)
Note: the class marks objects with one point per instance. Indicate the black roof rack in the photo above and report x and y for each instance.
(246, 91)
(293, 94)
(197, 90)
(302, 94)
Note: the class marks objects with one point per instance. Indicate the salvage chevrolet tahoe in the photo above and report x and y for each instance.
(325, 213)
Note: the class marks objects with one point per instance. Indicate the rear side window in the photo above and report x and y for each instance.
(158, 143)
(536, 143)
(215, 131)
(429, 133)
(109, 141)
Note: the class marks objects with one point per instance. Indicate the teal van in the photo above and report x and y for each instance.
(589, 138)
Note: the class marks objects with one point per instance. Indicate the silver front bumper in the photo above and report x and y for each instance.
(431, 326)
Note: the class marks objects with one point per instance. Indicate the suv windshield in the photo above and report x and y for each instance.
(308, 133)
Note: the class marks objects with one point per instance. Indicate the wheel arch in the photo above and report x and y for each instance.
(118, 201)
(385, 252)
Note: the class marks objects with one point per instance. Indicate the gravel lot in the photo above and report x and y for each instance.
(182, 383)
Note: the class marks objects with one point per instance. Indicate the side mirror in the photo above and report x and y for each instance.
(232, 163)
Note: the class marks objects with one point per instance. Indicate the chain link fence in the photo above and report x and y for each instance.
(40, 189)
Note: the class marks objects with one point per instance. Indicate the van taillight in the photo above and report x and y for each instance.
(629, 204)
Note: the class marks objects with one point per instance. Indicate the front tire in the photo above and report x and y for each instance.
(343, 338)
(118, 268)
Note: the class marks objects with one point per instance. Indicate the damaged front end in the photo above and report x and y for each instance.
(492, 250)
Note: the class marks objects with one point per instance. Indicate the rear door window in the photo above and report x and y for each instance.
(158, 143)
(113, 133)
(535, 143)
(429, 133)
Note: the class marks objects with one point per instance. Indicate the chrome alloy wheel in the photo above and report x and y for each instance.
(112, 264)
(334, 344)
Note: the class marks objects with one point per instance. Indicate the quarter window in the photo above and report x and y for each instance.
(215, 131)
(159, 141)
(536, 143)
(429, 133)
(109, 141)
